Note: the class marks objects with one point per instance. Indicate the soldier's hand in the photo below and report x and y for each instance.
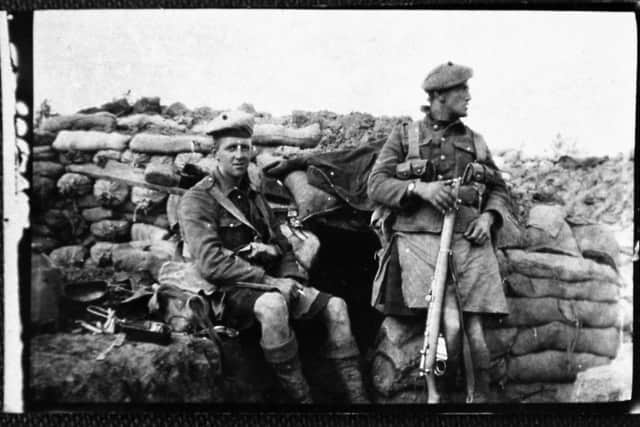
(438, 193)
(256, 251)
(289, 288)
(479, 230)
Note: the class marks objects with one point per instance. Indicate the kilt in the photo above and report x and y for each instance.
(407, 268)
(238, 303)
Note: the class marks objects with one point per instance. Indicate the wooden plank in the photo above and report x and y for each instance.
(121, 172)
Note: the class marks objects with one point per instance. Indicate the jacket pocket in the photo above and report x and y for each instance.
(233, 233)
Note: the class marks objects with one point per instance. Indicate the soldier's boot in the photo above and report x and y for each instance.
(286, 364)
(346, 360)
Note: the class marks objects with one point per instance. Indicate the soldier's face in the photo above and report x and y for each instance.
(456, 100)
(233, 155)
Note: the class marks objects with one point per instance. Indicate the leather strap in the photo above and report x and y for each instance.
(470, 379)
(413, 141)
(231, 208)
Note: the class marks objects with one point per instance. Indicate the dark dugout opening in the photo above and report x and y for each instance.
(346, 266)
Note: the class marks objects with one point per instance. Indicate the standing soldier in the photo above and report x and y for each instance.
(236, 245)
(410, 177)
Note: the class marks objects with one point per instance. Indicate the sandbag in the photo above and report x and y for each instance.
(144, 198)
(74, 157)
(551, 366)
(46, 288)
(135, 159)
(161, 159)
(560, 267)
(96, 214)
(155, 143)
(100, 122)
(162, 249)
(161, 174)
(74, 184)
(140, 121)
(395, 362)
(44, 153)
(182, 159)
(102, 156)
(560, 336)
(68, 256)
(132, 259)
(598, 242)
(209, 164)
(41, 230)
(110, 193)
(41, 138)
(538, 311)
(547, 231)
(311, 201)
(90, 141)
(522, 286)
(159, 220)
(44, 244)
(175, 109)
(43, 190)
(141, 231)
(537, 392)
(100, 253)
(111, 230)
(499, 341)
(66, 224)
(87, 201)
(49, 169)
(147, 104)
(273, 135)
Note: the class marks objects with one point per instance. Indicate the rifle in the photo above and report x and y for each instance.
(433, 356)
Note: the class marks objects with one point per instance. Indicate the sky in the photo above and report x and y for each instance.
(536, 74)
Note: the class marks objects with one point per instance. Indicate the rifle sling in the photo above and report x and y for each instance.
(470, 379)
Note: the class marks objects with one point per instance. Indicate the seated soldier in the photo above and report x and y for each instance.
(236, 244)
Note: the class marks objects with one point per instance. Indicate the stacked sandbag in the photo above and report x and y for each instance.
(71, 211)
(565, 313)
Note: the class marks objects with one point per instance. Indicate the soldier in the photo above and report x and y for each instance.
(235, 242)
(399, 181)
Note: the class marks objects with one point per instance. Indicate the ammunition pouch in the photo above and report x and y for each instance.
(470, 195)
(416, 168)
(482, 174)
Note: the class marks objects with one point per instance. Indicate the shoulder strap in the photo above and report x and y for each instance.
(413, 140)
(263, 209)
(482, 151)
(231, 208)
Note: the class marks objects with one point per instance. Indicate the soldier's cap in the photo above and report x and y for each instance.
(446, 76)
(231, 123)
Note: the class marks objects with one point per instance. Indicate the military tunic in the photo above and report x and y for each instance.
(408, 261)
(213, 236)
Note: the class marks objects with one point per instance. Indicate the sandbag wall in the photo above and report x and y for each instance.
(566, 316)
(80, 221)
(84, 222)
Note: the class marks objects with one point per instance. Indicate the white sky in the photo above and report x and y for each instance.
(537, 74)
